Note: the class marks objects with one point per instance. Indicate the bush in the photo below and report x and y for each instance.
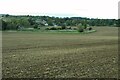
(80, 29)
(35, 26)
(68, 27)
(89, 28)
(38, 28)
(85, 26)
(59, 28)
(63, 26)
(4, 25)
(53, 28)
(50, 28)
(74, 28)
(47, 28)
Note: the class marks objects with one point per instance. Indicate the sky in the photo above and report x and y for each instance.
(104, 9)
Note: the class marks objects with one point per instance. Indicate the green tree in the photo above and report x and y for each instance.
(63, 26)
(80, 28)
(4, 25)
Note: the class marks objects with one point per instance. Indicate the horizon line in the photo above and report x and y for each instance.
(50, 15)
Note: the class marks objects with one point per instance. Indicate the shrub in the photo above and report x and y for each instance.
(85, 26)
(53, 28)
(63, 26)
(68, 27)
(47, 28)
(80, 29)
(74, 28)
(38, 28)
(89, 28)
(35, 26)
(59, 28)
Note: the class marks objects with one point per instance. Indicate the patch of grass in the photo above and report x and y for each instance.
(89, 31)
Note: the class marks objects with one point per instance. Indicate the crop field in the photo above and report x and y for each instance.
(61, 55)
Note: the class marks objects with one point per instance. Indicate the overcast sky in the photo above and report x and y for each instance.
(62, 8)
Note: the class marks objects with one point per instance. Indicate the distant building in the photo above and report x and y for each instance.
(20, 27)
(46, 24)
(41, 22)
(55, 25)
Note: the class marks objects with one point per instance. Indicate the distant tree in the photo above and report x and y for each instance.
(118, 23)
(53, 28)
(11, 22)
(90, 28)
(84, 23)
(4, 25)
(80, 28)
(7, 15)
(31, 21)
(24, 22)
(50, 22)
(63, 26)
(35, 26)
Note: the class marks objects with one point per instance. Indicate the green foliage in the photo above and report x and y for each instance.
(90, 28)
(80, 28)
(31, 21)
(63, 26)
(35, 26)
(11, 22)
(85, 26)
(4, 25)
(59, 28)
(118, 23)
(53, 28)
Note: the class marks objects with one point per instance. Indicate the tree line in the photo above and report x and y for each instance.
(12, 22)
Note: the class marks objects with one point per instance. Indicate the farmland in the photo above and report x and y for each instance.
(61, 55)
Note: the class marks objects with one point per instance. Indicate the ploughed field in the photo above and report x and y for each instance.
(61, 55)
